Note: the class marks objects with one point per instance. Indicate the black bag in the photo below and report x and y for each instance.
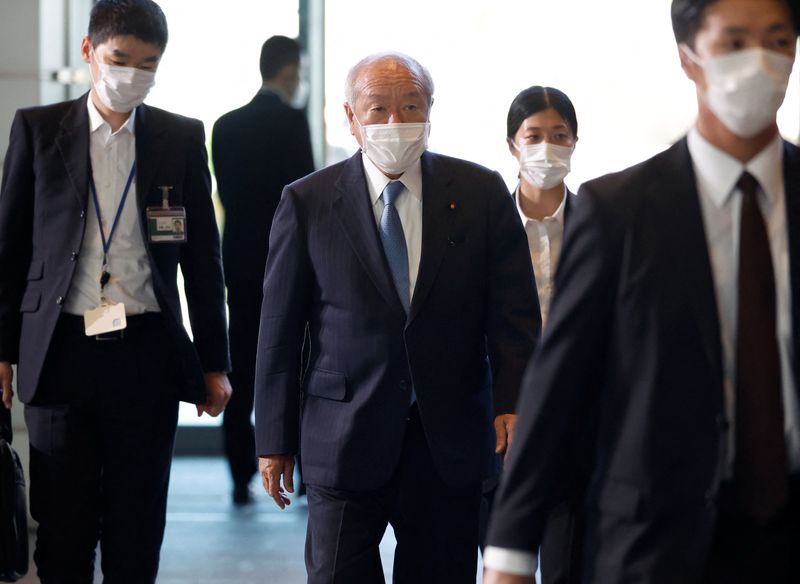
(13, 507)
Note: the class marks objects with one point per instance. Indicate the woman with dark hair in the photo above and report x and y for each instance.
(542, 130)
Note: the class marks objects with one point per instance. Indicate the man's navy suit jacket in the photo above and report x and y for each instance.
(632, 351)
(43, 206)
(472, 326)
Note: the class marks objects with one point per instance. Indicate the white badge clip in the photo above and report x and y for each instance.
(106, 318)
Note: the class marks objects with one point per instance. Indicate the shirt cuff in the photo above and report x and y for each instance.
(517, 562)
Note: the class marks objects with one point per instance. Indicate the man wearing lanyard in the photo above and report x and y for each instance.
(102, 199)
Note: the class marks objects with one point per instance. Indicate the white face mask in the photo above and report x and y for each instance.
(544, 165)
(121, 89)
(394, 147)
(745, 88)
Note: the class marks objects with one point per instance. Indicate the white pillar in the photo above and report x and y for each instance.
(37, 39)
(316, 98)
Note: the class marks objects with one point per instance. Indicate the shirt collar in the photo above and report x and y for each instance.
(96, 120)
(558, 215)
(718, 172)
(377, 181)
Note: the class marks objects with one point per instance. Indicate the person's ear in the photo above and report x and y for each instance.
(351, 119)
(689, 66)
(86, 49)
(512, 148)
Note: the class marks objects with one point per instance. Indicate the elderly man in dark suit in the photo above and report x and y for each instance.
(675, 328)
(89, 306)
(410, 271)
(257, 150)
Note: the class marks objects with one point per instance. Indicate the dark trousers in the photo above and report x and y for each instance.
(744, 552)
(244, 306)
(488, 491)
(436, 526)
(102, 427)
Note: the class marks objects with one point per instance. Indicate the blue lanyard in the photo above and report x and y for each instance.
(107, 242)
(105, 276)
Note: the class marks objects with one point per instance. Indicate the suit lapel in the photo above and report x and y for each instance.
(149, 153)
(72, 142)
(791, 177)
(353, 209)
(568, 206)
(438, 208)
(675, 196)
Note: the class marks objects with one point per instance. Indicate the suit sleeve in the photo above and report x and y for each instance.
(298, 156)
(284, 313)
(201, 262)
(563, 377)
(514, 319)
(219, 158)
(16, 224)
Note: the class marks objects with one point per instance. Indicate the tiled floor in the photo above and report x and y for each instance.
(208, 541)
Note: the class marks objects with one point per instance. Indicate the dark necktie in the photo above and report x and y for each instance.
(760, 471)
(394, 241)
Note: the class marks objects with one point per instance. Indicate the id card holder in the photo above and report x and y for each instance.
(166, 225)
(106, 318)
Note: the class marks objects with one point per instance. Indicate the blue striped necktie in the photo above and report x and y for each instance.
(394, 241)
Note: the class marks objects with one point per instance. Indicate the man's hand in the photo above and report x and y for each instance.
(494, 577)
(6, 376)
(504, 430)
(219, 391)
(272, 468)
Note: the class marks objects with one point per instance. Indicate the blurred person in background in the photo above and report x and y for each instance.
(256, 149)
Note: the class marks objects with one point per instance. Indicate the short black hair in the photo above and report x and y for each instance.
(142, 19)
(277, 52)
(536, 99)
(687, 17)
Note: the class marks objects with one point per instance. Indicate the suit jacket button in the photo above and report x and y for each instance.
(60, 300)
(83, 214)
(74, 256)
(403, 384)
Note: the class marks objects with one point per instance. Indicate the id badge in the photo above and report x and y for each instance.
(106, 318)
(166, 225)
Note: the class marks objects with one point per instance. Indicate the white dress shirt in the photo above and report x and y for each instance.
(408, 205)
(544, 245)
(721, 202)
(717, 174)
(112, 156)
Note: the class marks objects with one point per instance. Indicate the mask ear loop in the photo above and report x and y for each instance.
(691, 54)
(519, 160)
(360, 130)
(94, 60)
